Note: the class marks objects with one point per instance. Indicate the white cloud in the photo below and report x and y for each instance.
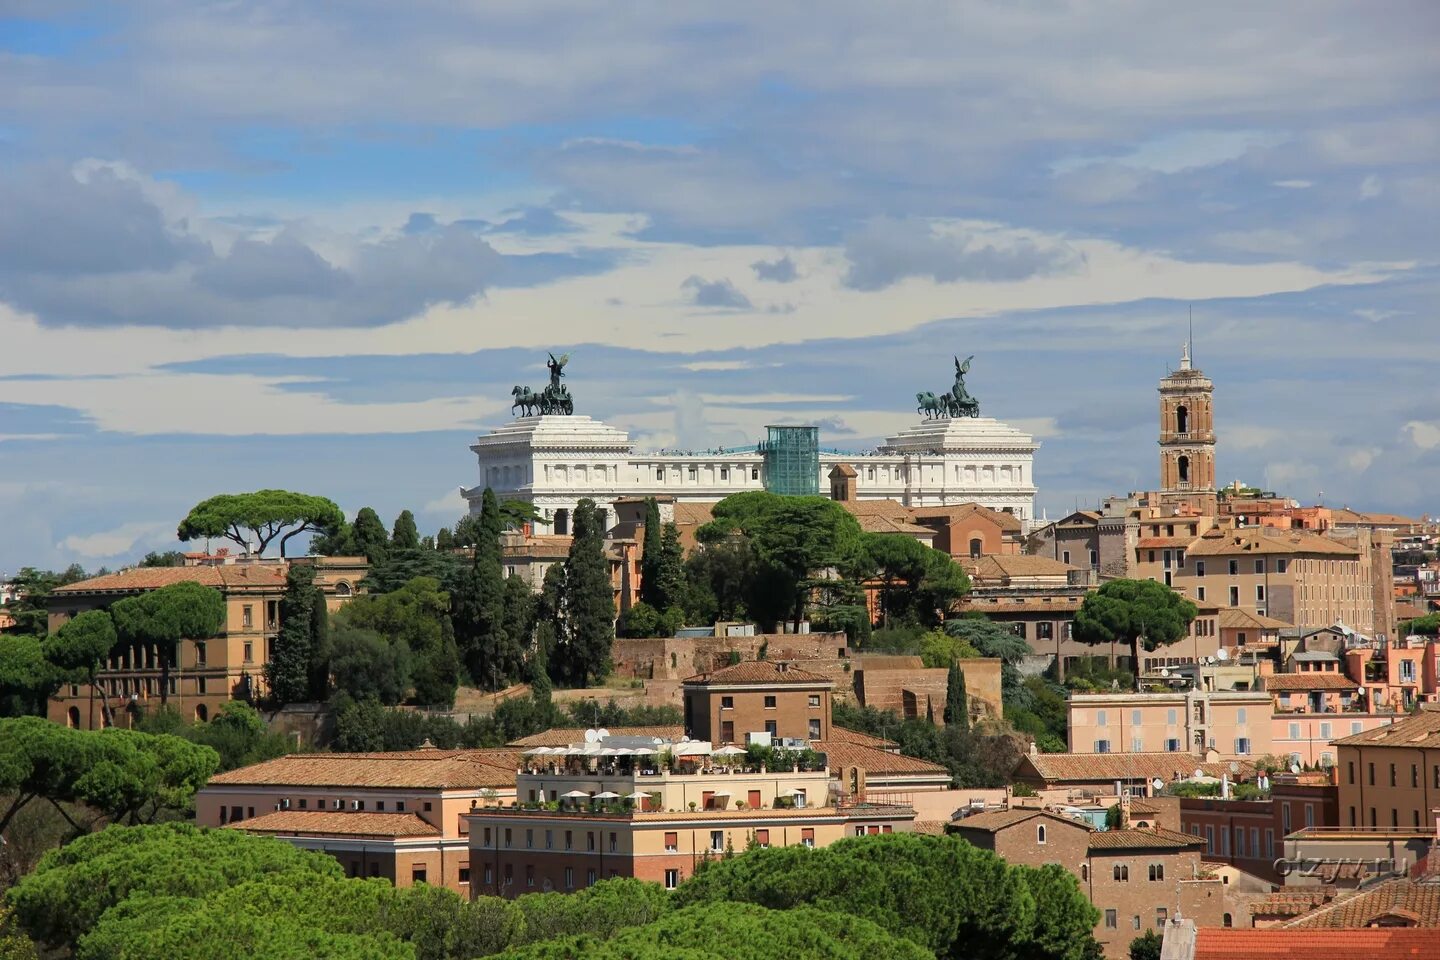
(1424, 435)
(1295, 184)
(122, 539)
(1371, 187)
(1360, 460)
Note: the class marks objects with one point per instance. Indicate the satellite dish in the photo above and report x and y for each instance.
(1221, 655)
(1198, 773)
(1294, 767)
(1158, 784)
(591, 736)
(1209, 661)
(602, 733)
(1164, 671)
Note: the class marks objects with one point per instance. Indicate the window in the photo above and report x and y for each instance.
(754, 473)
(1157, 872)
(1371, 773)
(691, 474)
(814, 728)
(249, 652)
(717, 841)
(1282, 565)
(672, 842)
(1102, 746)
(1065, 556)
(530, 875)
(1172, 745)
(1210, 838)
(807, 836)
(1350, 770)
(1094, 558)
(1111, 920)
(659, 473)
(1242, 746)
(1414, 775)
(417, 875)
(1135, 718)
(1040, 833)
(1309, 815)
(762, 838)
(1285, 817)
(772, 728)
(464, 874)
(724, 473)
(1100, 718)
(569, 878)
(1259, 593)
(590, 840)
(529, 839)
(1172, 716)
(247, 616)
(1085, 872)
(1161, 915)
(1234, 567)
(1120, 873)
(549, 839)
(1294, 731)
(613, 842)
(1137, 744)
(1234, 596)
(770, 702)
(590, 878)
(1199, 593)
(1324, 731)
(727, 703)
(1199, 568)
(1260, 565)
(1135, 922)
(672, 879)
(1392, 774)
(814, 700)
(507, 838)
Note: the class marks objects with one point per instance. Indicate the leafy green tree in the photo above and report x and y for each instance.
(520, 608)
(992, 639)
(288, 669)
(670, 570)
(719, 580)
(255, 520)
(368, 537)
(491, 658)
(14, 945)
(1146, 946)
(405, 535)
(641, 620)
(366, 665)
(515, 514)
(1064, 916)
(1138, 613)
(398, 567)
(899, 563)
(938, 648)
(957, 704)
(182, 611)
(359, 726)
(31, 606)
(27, 678)
(467, 530)
(170, 558)
(1426, 626)
(121, 773)
(418, 615)
(66, 895)
(237, 733)
(80, 647)
(444, 539)
(582, 655)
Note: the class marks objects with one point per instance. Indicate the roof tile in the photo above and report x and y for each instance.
(425, 769)
(1218, 943)
(758, 671)
(339, 824)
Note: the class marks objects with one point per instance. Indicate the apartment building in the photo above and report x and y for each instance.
(1390, 776)
(1231, 724)
(1136, 878)
(646, 807)
(1250, 834)
(394, 815)
(776, 700)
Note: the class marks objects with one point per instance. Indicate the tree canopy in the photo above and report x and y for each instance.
(255, 520)
(586, 612)
(418, 615)
(1136, 613)
(181, 611)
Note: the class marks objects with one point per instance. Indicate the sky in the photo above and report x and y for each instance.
(314, 246)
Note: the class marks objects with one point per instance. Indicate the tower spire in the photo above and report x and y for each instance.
(1190, 339)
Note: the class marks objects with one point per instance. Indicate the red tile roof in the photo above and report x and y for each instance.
(876, 762)
(1309, 681)
(839, 734)
(226, 576)
(424, 769)
(1218, 943)
(1419, 730)
(758, 671)
(1418, 901)
(339, 824)
(565, 736)
(1143, 838)
(993, 821)
(1090, 767)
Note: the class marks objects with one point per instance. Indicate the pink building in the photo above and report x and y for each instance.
(1313, 709)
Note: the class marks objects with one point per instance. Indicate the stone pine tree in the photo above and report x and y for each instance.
(80, 648)
(182, 611)
(957, 703)
(1139, 613)
(589, 615)
(288, 671)
(650, 556)
(405, 535)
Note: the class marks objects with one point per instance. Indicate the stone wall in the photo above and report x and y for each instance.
(675, 658)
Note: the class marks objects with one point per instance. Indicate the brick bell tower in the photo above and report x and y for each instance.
(1187, 439)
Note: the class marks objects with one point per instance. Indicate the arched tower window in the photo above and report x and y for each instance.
(1040, 833)
(72, 718)
(1184, 468)
(977, 546)
(1182, 419)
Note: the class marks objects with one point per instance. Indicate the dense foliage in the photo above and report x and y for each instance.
(181, 611)
(255, 520)
(237, 733)
(1135, 613)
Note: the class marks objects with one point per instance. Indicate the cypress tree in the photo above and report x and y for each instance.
(589, 602)
(319, 670)
(405, 535)
(650, 556)
(368, 536)
(957, 707)
(288, 669)
(478, 606)
(670, 571)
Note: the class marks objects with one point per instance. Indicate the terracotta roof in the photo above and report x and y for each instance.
(1218, 943)
(1264, 540)
(1292, 901)
(879, 524)
(931, 828)
(876, 762)
(839, 734)
(843, 470)
(1419, 730)
(1163, 543)
(893, 509)
(758, 671)
(225, 576)
(998, 606)
(339, 823)
(1143, 838)
(1007, 522)
(424, 769)
(1238, 618)
(999, 566)
(995, 820)
(564, 736)
(1418, 901)
(1309, 681)
(1084, 767)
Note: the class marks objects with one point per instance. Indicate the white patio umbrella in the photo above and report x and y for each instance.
(643, 752)
(727, 751)
(538, 751)
(607, 795)
(637, 795)
(721, 793)
(576, 795)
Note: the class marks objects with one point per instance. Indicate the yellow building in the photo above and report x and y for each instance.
(1228, 724)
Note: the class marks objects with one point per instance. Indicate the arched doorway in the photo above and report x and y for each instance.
(201, 714)
(72, 718)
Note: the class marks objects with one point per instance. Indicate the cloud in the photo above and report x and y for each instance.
(886, 251)
(1371, 187)
(1295, 184)
(777, 271)
(715, 293)
(1424, 435)
(117, 541)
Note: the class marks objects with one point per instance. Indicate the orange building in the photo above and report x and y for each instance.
(1390, 776)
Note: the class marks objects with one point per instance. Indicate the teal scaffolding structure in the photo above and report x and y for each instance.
(792, 460)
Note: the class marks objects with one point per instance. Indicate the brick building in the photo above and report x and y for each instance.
(1390, 776)
(1136, 878)
(393, 815)
(1250, 834)
(778, 700)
